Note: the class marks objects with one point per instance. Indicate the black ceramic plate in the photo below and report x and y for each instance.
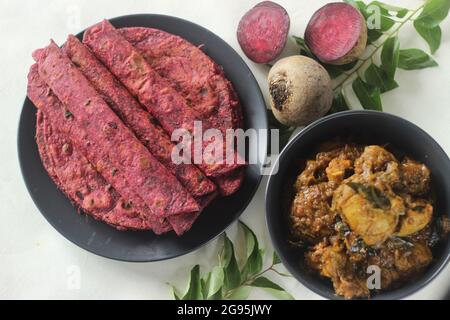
(106, 241)
(369, 127)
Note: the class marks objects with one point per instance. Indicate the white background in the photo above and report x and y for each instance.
(35, 260)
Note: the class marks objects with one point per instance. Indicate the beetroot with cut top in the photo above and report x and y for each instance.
(262, 31)
(337, 33)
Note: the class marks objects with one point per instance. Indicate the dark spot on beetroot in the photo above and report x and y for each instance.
(280, 93)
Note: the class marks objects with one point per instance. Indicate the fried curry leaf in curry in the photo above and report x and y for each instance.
(373, 194)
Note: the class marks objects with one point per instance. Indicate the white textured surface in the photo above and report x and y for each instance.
(36, 260)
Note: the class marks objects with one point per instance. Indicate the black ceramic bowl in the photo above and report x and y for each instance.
(106, 241)
(370, 127)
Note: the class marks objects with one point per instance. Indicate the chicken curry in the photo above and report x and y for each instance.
(357, 206)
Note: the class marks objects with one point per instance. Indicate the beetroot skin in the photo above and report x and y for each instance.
(336, 33)
(262, 31)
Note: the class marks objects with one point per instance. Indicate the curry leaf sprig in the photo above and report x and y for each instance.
(233, 280)
(369, 79)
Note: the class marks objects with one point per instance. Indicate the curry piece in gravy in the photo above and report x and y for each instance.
(358, 206)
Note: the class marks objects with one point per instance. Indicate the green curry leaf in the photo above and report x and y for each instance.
(254, 262)
(413, 59)
(271, 287)
(431, 35)
(194, 291)
(377, 77)
(232, 274)
(434, 12)
(390, 55)
(227, 281)
(368, 95)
